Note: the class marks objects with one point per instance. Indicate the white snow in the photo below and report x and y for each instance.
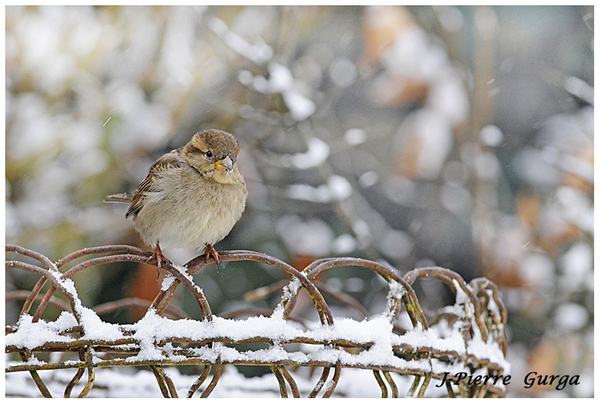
(577, 267)
(317, 153)
(336, 189)
(355, 136)
(259, 52)
(97, 330)
(491, 135)
(152, 329)
(343, 244)
(153, 335)
(31, 335)
(571, 317)
(117, 383)
(282, 81)
(312, 237)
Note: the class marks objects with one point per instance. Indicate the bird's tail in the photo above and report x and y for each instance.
(123, 197)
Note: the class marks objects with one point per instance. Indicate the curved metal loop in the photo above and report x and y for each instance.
(391, 383)
(91, 373)
(290, 380)
(335, 380)
(56, 284)
(381, 383)
(495, 311)
(196, 385)
(243, 255)
(25, 356)
(411, 302)
(320, 383)
(280, 380)
(451, 279)
(216, 376)
(73, 382)
(484, 315)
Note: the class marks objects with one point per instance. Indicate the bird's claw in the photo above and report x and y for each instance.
(160, 258)
(210, 250)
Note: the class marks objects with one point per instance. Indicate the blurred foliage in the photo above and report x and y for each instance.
(455, 136)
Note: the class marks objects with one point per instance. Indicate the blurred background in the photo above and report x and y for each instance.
(416, 136)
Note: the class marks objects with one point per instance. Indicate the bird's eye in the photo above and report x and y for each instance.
(209, 154)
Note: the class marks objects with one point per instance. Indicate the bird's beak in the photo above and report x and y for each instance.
(224, 165)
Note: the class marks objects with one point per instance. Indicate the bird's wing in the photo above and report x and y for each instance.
(166, 162)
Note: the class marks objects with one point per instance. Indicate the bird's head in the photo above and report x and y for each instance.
(213, 153)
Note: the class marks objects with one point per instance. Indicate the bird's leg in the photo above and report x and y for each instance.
(158, 254)
(210, 250)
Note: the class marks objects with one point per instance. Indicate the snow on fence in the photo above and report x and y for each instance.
(466, 338)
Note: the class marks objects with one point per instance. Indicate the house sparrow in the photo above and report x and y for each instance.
(191, 197)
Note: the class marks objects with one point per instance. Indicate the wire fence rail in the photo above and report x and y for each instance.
(467, 336)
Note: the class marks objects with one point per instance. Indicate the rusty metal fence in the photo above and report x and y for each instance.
(425, 351)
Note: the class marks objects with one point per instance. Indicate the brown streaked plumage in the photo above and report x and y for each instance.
(192, 196)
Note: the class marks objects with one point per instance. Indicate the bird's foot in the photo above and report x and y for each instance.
(210, 250)
(160, 258)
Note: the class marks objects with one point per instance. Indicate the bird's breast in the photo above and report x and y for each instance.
(190, 211)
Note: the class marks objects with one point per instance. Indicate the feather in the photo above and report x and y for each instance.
(122, 197)
(166, 162)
